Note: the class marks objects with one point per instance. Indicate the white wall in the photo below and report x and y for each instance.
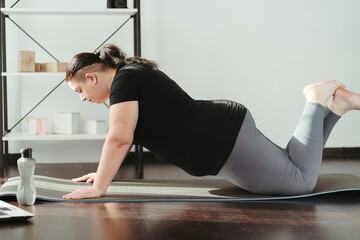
(257, 52)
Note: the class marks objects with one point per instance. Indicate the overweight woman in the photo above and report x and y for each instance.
(201, 137)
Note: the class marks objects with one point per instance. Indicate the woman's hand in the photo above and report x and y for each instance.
(88, 178)
(86, 192)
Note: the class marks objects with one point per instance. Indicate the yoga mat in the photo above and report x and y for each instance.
(52, 189)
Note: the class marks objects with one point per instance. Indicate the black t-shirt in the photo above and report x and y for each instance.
(196, 135)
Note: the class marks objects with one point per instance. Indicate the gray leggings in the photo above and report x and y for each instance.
(258, 165)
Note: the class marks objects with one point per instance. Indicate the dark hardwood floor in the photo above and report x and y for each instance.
(335, 216)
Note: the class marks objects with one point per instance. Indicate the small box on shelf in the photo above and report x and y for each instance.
(66, 122)
(26, 61)
(54, 67)
(94, 126)
(37, 126)
(32, 126)
(38, 67)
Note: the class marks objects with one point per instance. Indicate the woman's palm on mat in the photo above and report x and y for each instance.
(86, 192)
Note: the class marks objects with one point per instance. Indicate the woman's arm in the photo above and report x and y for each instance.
(123, 120)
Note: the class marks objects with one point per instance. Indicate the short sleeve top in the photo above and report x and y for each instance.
(196, 135)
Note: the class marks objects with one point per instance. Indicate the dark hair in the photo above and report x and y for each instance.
(108, 56)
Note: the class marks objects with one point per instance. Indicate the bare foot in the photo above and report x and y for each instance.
(321, 92)
(344, 101)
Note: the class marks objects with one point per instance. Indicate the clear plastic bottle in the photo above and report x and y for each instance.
(26, 193)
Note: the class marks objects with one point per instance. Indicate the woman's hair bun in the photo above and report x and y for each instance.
(111, 55)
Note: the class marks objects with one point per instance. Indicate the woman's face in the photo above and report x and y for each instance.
(90, 89)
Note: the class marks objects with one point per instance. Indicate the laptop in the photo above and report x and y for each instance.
(10, 212)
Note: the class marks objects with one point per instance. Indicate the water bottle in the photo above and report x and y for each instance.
(26, 193)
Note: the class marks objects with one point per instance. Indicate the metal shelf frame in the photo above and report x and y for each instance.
(5, 15)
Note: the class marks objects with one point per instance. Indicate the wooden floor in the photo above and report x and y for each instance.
(335, 216)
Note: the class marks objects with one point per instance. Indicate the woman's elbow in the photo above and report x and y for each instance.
(120, 141)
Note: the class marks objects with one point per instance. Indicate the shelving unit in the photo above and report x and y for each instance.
(6, 133)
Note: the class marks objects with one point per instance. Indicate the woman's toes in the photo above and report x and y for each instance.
(344, 101)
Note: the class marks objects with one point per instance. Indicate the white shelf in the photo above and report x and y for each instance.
(77, 12)
(47, 137)
(33, 74)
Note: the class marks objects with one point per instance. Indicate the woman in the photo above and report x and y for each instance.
(201, 137)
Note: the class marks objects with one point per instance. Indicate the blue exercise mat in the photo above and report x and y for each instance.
(52, 189)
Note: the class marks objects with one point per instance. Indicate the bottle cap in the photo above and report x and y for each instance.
(26, 152)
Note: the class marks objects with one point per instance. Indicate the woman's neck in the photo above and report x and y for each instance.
(110, 74)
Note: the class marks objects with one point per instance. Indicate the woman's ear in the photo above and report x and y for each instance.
(92, 77)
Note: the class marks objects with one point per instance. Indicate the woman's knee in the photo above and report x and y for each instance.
(304, 188)
(300, 182)
(301, 187)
